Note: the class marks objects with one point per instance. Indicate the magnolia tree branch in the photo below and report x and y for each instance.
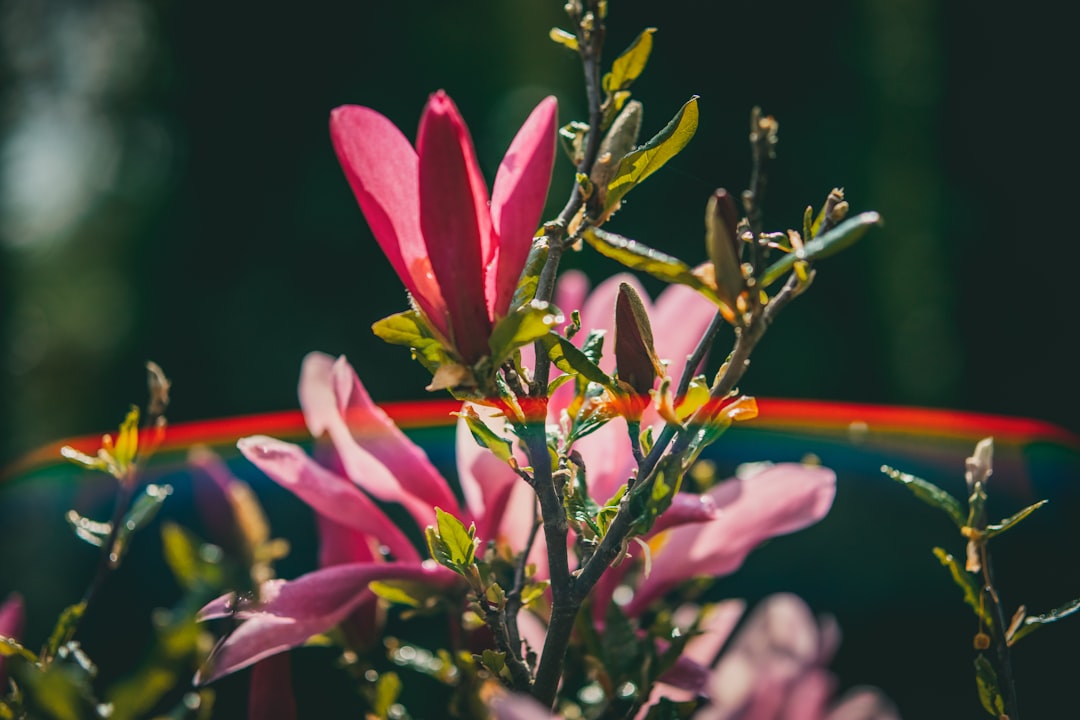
(589, 28)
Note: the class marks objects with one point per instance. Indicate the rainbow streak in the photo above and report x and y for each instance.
(784, 429)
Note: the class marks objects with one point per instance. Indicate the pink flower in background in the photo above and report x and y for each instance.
(366, 457)
(775, 668)
(679, 318)
(459, 256)
(12, 619)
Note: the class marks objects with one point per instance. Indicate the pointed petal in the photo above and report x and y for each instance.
(864, 704)
(293, 611)
(778, 500)
(382, 168)
(326, 492)
(270, 693)
(517, 200)
(455, 222)
(374, 452)
(686, 508)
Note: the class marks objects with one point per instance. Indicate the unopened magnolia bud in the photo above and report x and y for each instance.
(620, 139)
(723, 245)
(635, 358)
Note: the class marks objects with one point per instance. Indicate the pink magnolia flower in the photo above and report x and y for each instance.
(459, 257)
(775, 668)
(367, 457)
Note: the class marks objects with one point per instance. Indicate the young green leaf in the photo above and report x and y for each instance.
(530, 275)
(459, 541)
(523, 326)
(1031, 623)
(628, 66)
(64, 630)
(989, 693)
(485, 436)
(1010, 522)
(966, 582)
(840, 237)
(650, 157)
(638, 256)
(387, 691)
(567, 40)
(568, 358)
(410, 329)
(930, 494)
(723, 245)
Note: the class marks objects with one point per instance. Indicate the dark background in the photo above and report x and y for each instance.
(168, 190)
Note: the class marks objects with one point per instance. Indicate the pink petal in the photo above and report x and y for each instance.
(382, 169)
(270, 694)
(12, 620)
(517, 200)
(777, 646)
(519, 707)
(455, 222)
(679, 319)
(343, 545)
(686, 508)
(778, 500)
(864, 704)
(326, 492)
(293, 611)
(374, 452)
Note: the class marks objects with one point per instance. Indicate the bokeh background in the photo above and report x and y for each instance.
(168, 191)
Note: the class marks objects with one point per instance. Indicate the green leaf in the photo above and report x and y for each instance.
(64, 630)
(966, 582)
(567, 40)
(409, 328)
(523, 326)
(619, 643)
(649, 503)
(989, 694)
(485, 436)
(650, 157)
(930, 494)
(533, 591)
(638, 256)
(568, 358)
(493, 660)
(57, 691)
(191, 561)
(530, 275)
(840, 237)
(1007, 523)
(10, 647)
(628, 66)
(1032, 623)
(457, 540)
(387, 691)
(145, 508)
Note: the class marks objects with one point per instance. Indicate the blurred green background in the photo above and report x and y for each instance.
(168, 190)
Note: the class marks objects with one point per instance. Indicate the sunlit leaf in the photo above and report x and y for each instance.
(968, 584)
(493, 660)
(457, 540)
(1007, 523)
(530, 275)
(840, 237)
(387, 691)
(930, 494)
(567, 40)
(568, 358)
(650, 157)
(989, 693)
(628, 66)
(638, 256)
(1031, 623)
(64, 630)
(525, 325)
(485, 436)
(410, 329)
